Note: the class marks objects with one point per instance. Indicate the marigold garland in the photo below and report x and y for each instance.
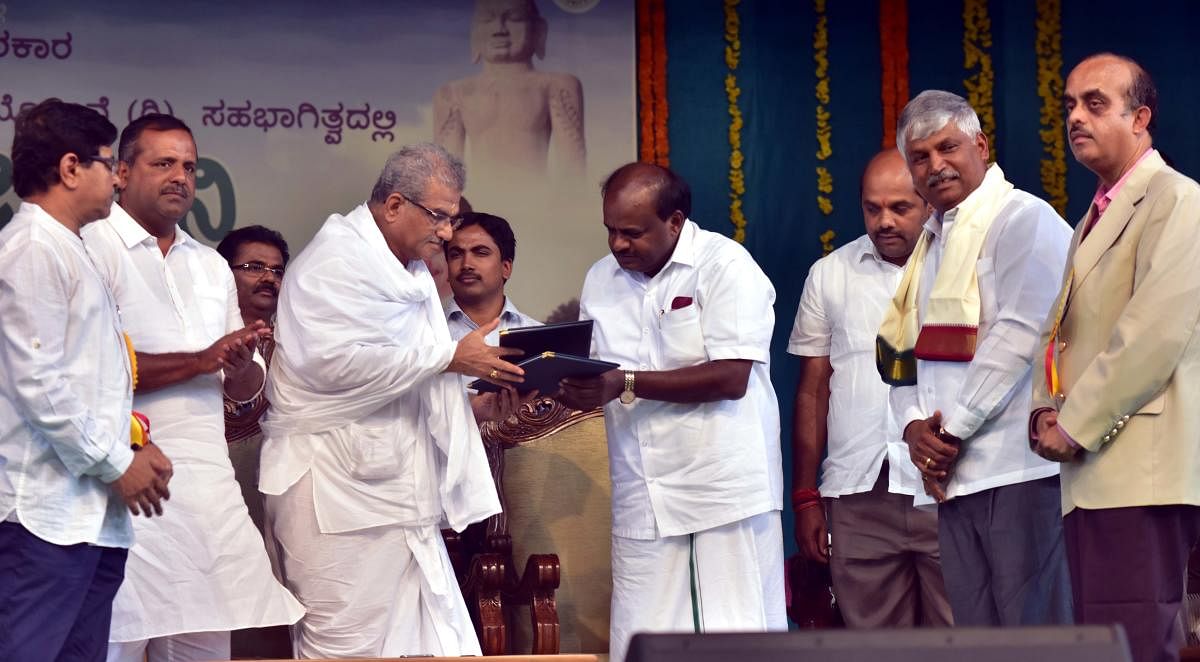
(652, 81)
(737, 178)
(1048, 45)
(977, 44)
(133, 367)
(824, 125)
(893, 59)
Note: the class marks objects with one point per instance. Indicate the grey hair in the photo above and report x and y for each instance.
(932, 110)
(409, 171)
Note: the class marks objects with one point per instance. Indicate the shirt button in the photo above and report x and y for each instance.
(645, 330)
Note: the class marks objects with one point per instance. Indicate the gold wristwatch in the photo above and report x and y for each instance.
(627, 396)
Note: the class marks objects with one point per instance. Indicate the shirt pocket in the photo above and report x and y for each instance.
(212, 305)
(682, 338)
(377, 453)
(985, 275)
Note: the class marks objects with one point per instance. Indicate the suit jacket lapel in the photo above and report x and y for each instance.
(1110, 226)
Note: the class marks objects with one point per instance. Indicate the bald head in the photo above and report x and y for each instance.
(1110, 102)
(668, 190)
(893, 211)
(1140, 90)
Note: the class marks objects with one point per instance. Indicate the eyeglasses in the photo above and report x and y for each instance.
(437, 217)
(109, 162)
(257, 269)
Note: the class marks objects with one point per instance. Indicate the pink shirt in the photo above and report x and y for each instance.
(1104, 196)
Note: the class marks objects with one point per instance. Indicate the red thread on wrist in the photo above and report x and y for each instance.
(805, 495)
(806, 505)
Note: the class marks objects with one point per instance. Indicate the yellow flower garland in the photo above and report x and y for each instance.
(977, 44)
(737, 178)
(1048, 45)
(824, 125)
(133, 368)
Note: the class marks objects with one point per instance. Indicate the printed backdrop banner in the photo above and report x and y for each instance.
(296, 106)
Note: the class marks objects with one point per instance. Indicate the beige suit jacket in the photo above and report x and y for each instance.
(1129, 351)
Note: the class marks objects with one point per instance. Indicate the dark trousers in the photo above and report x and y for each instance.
(1127, 567)
(1003, 556)
(55, 600)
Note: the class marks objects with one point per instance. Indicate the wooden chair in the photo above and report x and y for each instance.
(543, 437)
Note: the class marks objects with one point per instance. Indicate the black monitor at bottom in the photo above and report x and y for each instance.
(1023, 644)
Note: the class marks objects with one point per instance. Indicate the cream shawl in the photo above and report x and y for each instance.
(948, 332)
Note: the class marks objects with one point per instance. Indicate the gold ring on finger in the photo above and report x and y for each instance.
(928, 461)
(493, 374)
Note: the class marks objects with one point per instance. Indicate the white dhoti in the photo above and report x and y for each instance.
(729, 578)
(384, 591)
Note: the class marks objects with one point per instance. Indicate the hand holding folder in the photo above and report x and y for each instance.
(544, 371)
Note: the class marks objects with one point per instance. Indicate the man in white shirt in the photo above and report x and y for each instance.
(693, 442)
(956, 344)
(370, 442)
(201, 570)
(884, 557)
(67, 472)
(479, 259)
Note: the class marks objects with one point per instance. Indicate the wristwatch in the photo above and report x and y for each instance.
(627, 396)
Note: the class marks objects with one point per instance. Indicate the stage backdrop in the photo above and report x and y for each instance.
(296, 106)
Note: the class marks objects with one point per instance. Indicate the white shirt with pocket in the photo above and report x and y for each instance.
(682, 468)
(985, 402)
(844, 300)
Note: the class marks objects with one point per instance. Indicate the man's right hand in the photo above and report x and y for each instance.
(812, 533)
(143, 486)
(475, 358)
(233, 350)
(931, 450)
(926, 448)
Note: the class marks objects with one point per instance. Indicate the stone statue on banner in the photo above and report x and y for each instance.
(510, 115)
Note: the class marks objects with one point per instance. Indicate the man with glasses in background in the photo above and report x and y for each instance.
(370, 442)
(257, 255)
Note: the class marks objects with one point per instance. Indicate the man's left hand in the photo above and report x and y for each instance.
(588, 393)
(1053, 445)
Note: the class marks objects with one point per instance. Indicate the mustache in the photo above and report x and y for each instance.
(177, 190)
(943, 175)
(267, 287)
(1078, 131)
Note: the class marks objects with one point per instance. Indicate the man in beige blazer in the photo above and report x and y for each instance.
(1117, 383)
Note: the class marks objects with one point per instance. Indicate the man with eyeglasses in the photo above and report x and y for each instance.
(370, 441)
(190, 572)
(257, 255)
(67, 471)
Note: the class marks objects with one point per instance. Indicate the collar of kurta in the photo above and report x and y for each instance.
(132, 233)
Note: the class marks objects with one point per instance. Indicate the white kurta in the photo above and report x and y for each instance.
(202, 565)
(369, 445)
